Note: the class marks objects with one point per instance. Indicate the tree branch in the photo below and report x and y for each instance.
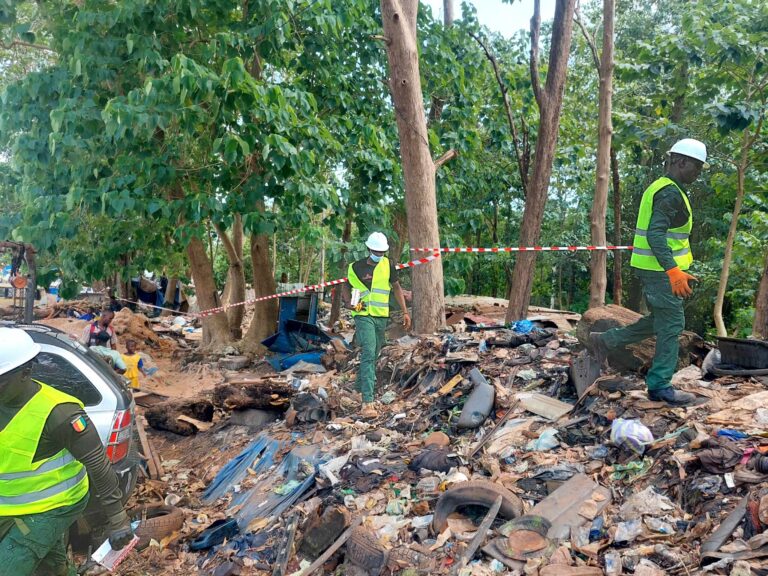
(229, 247)
(590, 41)
(508, 109)
(535, 33)
(16, 43)
(450, 155)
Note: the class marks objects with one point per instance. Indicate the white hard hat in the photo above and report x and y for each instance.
(16, 349)
(378, 242)
(691, 148)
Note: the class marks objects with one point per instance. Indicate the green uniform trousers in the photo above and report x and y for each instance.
(666, 321)
(36, 544)
(370, 335)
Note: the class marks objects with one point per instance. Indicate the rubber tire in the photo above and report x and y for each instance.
(739, 372)
(475, 493)
(161, 521)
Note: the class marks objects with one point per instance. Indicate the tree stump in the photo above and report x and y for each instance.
(164, 416)
(264, 393)
(640, 357)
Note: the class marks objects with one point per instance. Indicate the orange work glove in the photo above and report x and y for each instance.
(679, 281)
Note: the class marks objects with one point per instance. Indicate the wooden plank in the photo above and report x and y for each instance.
(562, 507)
(450, 385)
(146, 448)
(199, 424)
(549, 408)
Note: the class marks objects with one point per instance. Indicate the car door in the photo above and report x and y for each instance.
(67, 372)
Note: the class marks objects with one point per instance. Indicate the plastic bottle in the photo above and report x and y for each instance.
(596, 530)
(612, 563)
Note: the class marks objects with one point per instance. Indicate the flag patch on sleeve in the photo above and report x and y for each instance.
(79, 424)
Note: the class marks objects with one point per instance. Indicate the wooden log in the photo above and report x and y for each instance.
(153, 464)
(604, 318)
(165, 416)
(265, 394)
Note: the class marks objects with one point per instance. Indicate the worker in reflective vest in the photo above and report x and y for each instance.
(372, 279)
(660, 257)
(51, 455)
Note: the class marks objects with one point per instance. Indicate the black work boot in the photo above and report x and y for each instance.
(675, 397)
(598, 347)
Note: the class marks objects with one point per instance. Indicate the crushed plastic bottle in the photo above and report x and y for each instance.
(612, 563)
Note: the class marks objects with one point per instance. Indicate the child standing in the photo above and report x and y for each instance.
(134, 363)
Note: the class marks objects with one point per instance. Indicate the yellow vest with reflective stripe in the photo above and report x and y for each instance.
(376, 300)
(677, 238)
(33, 487)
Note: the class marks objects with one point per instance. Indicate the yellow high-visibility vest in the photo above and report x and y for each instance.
(677, 238)
(33, 487)
(376, 300)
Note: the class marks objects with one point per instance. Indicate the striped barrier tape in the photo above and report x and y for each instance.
(522, 249)
(205, 313)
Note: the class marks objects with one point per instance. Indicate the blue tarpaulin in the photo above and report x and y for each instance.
(273, 494)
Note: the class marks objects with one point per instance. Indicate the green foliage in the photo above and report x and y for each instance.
(129, 128)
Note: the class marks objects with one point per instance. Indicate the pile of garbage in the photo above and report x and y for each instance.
(497, 450)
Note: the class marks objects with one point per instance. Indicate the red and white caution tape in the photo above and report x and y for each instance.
(522, 249)
(313, 287)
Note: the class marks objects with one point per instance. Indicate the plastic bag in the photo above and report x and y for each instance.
(628, 531)
(631, 434)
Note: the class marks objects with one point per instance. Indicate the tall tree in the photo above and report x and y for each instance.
(550, 99)
(399, 18)
(760, 324)
(604, 65)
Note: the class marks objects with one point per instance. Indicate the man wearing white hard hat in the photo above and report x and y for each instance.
(373, 279)
(51, 458)
(661, 256)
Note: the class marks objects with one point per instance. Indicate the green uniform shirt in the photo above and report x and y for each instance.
(58, 433)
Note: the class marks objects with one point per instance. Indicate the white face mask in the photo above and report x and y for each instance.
(376, 258)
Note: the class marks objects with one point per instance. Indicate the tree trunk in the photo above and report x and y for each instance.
(617, 257)
(598, 258)
(170, 295)
(216, 333)
(399, 18)
(447, 13)
(550, 99)
(346, 236)
(29, 294)
(234, 291)
(264, 322)
(760, 325)
(728, 255)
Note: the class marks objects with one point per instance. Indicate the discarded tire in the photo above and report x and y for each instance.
(156, 522)
(475, 493)
(365, 551)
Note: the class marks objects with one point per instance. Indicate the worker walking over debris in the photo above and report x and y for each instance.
(51, 454)
(661, 256)
(372, 279)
